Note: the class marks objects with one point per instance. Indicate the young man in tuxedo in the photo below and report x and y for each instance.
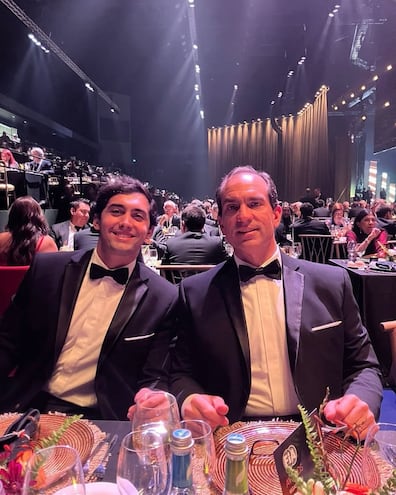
(87, 329)
(264, 332)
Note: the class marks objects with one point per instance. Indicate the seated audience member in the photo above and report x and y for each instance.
(63, 232)
(193, 246)
(8, 159)
(385, 220)
(170, 218)
(321, 210)
(263, 331)
(39, 163)
(87, 329)
(369, 238)
(283, 231)
(337, 215)
(308, 225)
(26, 234)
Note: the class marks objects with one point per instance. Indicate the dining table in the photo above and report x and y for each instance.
(374, 292)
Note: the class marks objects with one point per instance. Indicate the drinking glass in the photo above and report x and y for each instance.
(145, 253)
(56, 469)
(379, 455)
(153, 257)
(143, 466)
(158, 412)
(203, 454)
(296, 250)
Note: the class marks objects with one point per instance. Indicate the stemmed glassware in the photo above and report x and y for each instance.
(55, 469)
(159, 412)
(143, 466)
(379, 455)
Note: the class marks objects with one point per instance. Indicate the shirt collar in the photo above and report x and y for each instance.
(276, 256)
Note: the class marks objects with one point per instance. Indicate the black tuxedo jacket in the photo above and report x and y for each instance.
(327, 344)
(60, 232)
(195, 248)
(134, 352)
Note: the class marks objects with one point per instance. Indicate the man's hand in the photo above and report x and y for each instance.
(353, 412)
(148, 398)
(210, 408)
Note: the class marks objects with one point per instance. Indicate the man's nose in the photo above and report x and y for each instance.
(244, 213)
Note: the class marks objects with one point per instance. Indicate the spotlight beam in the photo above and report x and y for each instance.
(40, 34)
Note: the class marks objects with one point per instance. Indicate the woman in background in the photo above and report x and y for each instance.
(369, 238)
(26, 234)
(8, 159)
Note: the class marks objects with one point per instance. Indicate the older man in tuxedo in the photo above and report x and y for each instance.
(39, 163)
(87, 329)
(264, 332)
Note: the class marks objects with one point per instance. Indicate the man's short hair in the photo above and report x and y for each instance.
(247, 169)
(306, 210)
(383, 211)
(193, 218)
(37, 152)
(76, 203)
(123, 184)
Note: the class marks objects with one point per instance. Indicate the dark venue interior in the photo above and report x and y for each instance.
(248, 55)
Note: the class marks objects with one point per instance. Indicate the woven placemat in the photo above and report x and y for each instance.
(263, 477)
(81, 435)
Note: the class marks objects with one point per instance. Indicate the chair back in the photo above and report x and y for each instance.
(5, 187)
(316, 247)
(176, 273)
(10, 278)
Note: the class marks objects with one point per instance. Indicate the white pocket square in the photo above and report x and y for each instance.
(140, 337)
(327, 325)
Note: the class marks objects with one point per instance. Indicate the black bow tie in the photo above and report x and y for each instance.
(273, 270)
(120, 275)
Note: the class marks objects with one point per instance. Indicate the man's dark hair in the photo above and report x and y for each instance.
(383, 211)
(247, 169)
(193, 218)
(306, 210)
(76, 203)
(123, 184)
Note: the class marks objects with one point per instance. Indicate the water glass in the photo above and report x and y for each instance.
(143, 466)
(203, 454)
(159, 412)
(379, 455)
(56, 469)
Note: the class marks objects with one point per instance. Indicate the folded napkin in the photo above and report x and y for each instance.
(21, 430)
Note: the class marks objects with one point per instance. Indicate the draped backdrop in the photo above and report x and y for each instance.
(296, 155)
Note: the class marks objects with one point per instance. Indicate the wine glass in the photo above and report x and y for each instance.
(55, 469)
(153, 256)
(143, 466)
(379, 455)
(296, 250)
(158, 411)
(203, 454)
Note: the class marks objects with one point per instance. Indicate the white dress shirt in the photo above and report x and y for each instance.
(272, 390)
(74, 374)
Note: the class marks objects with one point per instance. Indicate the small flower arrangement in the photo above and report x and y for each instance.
(14, 459)
(322, 481)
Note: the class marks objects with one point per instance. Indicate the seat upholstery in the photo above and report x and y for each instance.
(10, 278)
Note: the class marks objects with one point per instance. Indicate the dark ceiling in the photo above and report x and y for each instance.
(143, 48)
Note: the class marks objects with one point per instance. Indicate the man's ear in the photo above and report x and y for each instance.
(277, 215)
(96, 222)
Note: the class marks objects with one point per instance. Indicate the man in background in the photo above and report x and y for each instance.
(63, 232)
(193, 246)
(39, 163)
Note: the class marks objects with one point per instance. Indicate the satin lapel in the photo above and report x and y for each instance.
(229, 287)
(74, 274)
(134, 291)
(293, 286)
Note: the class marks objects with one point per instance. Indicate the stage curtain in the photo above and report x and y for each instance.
(296, 158)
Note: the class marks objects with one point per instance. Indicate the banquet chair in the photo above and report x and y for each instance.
(10, 278)
(316, 247)
(176, 273)
(5, 187)
(390, 326)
